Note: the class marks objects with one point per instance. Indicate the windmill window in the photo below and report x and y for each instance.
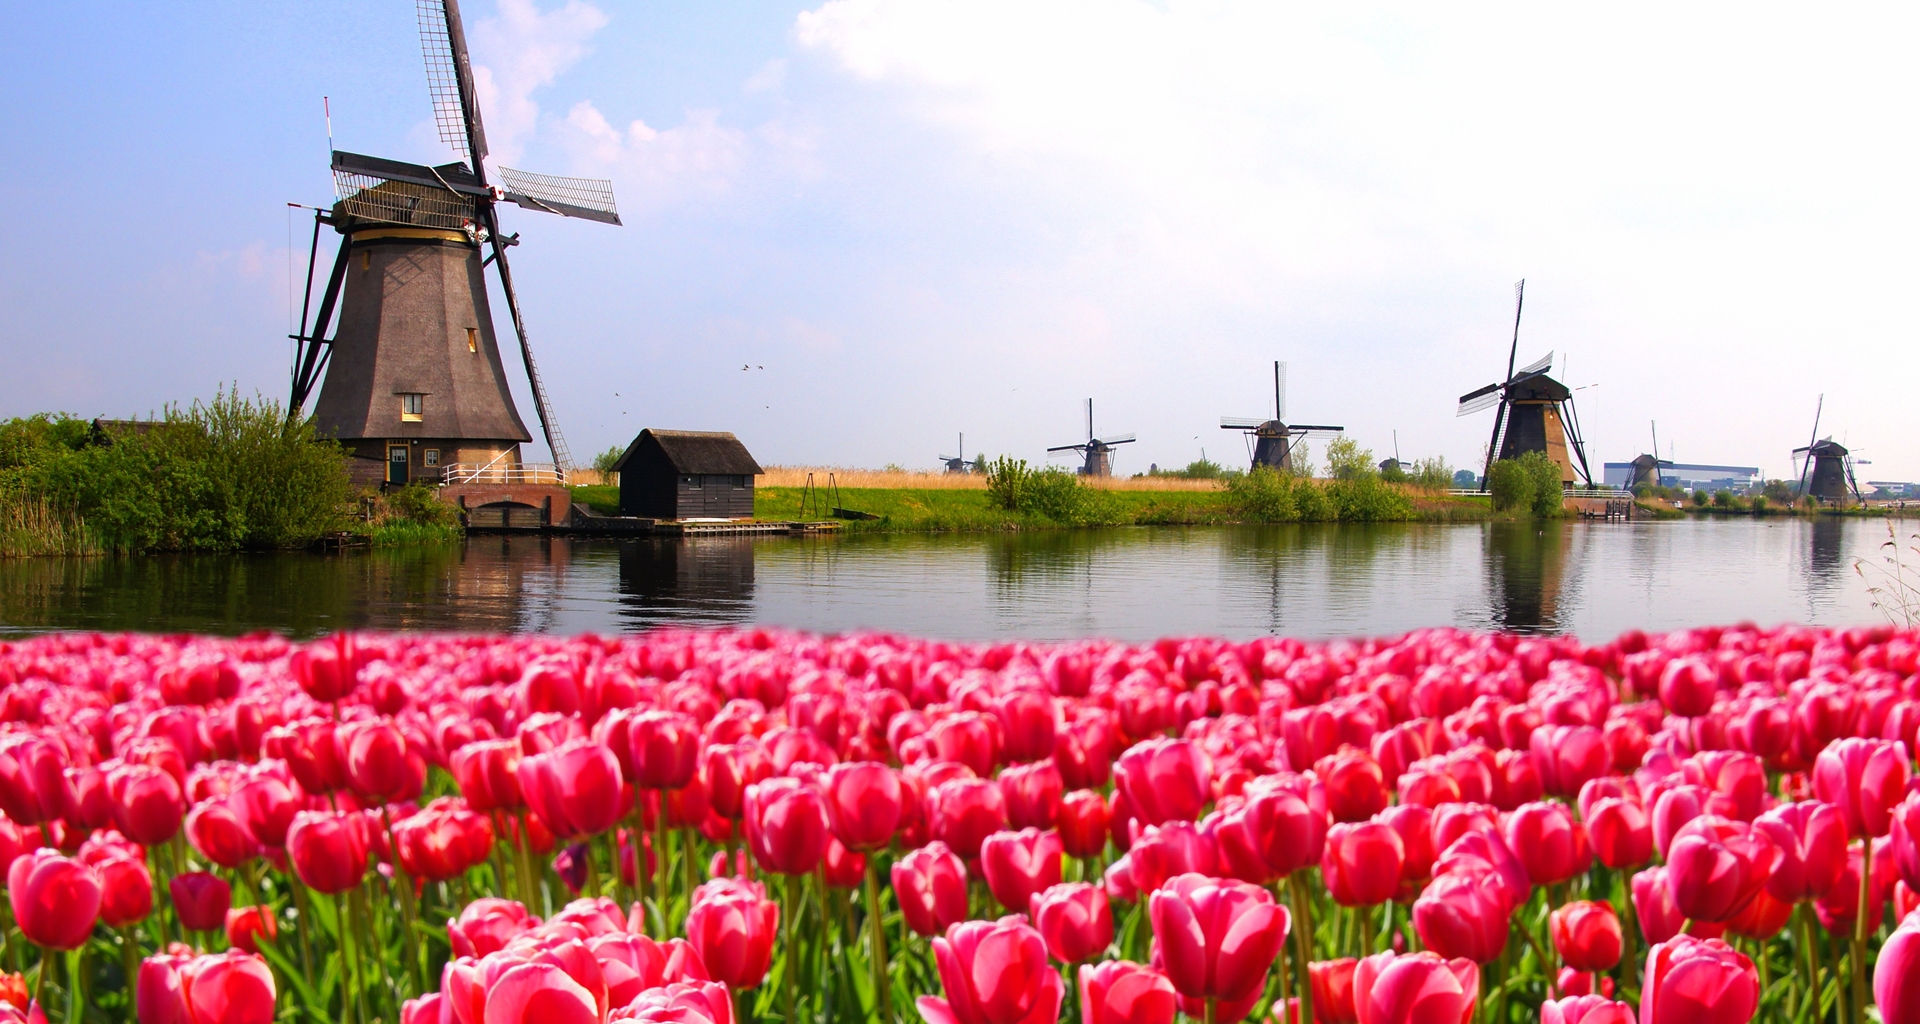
(473, 339)
(430, 457)
(366, 260)
(410, 407)
(691, 481)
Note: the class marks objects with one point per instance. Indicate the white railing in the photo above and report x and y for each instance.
(503, 473)
(1596, 492)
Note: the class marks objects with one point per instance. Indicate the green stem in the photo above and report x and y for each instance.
(791, 953)
(76, 986)
(1860, 932)
(1303, 942)
(883, 996)
(660, 898)
(303, 926)
(637, 840)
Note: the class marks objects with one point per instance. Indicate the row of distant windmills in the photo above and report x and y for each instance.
(1533, 413)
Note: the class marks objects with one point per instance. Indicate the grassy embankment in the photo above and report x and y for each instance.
(1016, 497)
(226, 475)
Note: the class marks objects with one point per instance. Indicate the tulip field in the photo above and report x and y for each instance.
(1713, 826)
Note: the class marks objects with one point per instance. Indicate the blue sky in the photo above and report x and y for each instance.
(930, 218)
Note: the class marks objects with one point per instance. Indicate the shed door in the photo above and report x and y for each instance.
(397, 464)
(716, 494)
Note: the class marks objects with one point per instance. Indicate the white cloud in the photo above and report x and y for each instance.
(654, 165)
(519, 51)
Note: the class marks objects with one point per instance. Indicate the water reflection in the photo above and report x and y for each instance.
(702, 580)
(1136, 583)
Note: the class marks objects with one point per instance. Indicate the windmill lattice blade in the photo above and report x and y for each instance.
(587, 198)
(443, 80)
(1479, 401)
(1539, 365)
(1240, 422)
(1117, 439)
(1280, 393)
(1313, 428)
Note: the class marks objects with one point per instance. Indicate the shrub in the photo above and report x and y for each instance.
(1723, 498)
(1367, 499)
(1052, 493)
(1759, 504)
(1346, 460)
(219, 476)
(603, 463)
(1510, 485)
(1435, 475)
(1263, 496)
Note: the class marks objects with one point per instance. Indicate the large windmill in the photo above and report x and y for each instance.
(1535, 414)
(1274, 440)
(1830, 464)
(1096, 451)
(413, 375)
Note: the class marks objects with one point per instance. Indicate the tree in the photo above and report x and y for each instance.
(1346, 460)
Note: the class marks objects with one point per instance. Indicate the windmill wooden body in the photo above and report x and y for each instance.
(1096, 452)
(1275, 439)
(1826, 466)
(1535, 413)
(414, 383)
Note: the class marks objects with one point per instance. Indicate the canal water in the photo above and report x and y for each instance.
(1589, 579)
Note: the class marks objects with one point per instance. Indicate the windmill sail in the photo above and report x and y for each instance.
(587, 198)
(1475, 401)
(1540, 365)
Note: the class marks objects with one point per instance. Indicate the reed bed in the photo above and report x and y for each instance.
(796, 476)
(31, 526)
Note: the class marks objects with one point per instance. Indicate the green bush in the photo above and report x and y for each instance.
(1264, 496)
(1199, 469)
(1529, 484)
(1723, 498)
(1051, 493)
(1431, 474)
(1367, 499)
(1346, 460)
(1759, 504)
(603, 463)
(220, 476)
(1700, 498)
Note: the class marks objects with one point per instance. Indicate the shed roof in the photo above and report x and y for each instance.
(697, 451)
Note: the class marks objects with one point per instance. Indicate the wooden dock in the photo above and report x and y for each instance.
(588, 525)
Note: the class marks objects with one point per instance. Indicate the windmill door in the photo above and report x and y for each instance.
(397, 465)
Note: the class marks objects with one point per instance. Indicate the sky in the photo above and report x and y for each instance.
(914, 220)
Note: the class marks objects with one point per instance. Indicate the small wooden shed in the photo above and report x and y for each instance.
(686, 474)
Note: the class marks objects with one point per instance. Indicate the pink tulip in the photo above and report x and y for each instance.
(1075, 920)
(234, 987)
(1362, 863)
(1463, 915)
(1217, 938)
(1415, 988)
(1896, 977)
(1548, 842)
(1698, 981)
(993, 972)
(930, 884)
(1164, 780)
(1812, 839)
(55, 899)
(1020, 864)
(1585, 1009)
(1123, 992)
(539, 993)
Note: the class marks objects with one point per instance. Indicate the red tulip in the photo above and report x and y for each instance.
(1698, 981)
(1217, 939)
(1717, 865)
(1164, 780)
(267, 803)
(227, 988)
(1451, 821)
(1083, 751)
(221, 835)
(969, 738)
(1659, 916)
(1585, 1009)
(311, 751)
(1356, 787)
(1332, 983)
(993, 972)
(1414, 988)
(734, 933)
(245, 926)
(1165, 851)
(1236, 845)
(55, 899)
(1075, 920)
(864, 803)
(842, 868)
(1865, 779)
(728, 769)
(1839, 909)
(1083, 823)
(688, 1002)
(1485, 853)
(786, 825)
(1621, 833)
(1462, 915)
(930, 884)
(328, 853)
(147, 805)
(631, 964)
(1587, 935)
(1738, 782)
(1515, 780)
(540, 993)
(1896, 977)
(33, 780)
(1812, 839)
(1032, 792)
(325, 668)
(442, 842)
(1688, 686)
(381, 765)
(126, 891)
(486, 772)
(1019, 864)
(1762, 918)
(486, 926)
(965, 812)
(1123, 992)
(1905, 833)
(201, 900)
(1026, 725)
(1287, 816)
(1568, 756)
(1415, 826)
(665, 746)
(1549, 843)
(1362, 863)
(573, 788)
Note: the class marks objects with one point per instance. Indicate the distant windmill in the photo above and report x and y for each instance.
(1535, 414)
(1097, 451)
(414, 368)
(1275, 439)
(1646, 467)
(1830, 463)
(958, 463)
